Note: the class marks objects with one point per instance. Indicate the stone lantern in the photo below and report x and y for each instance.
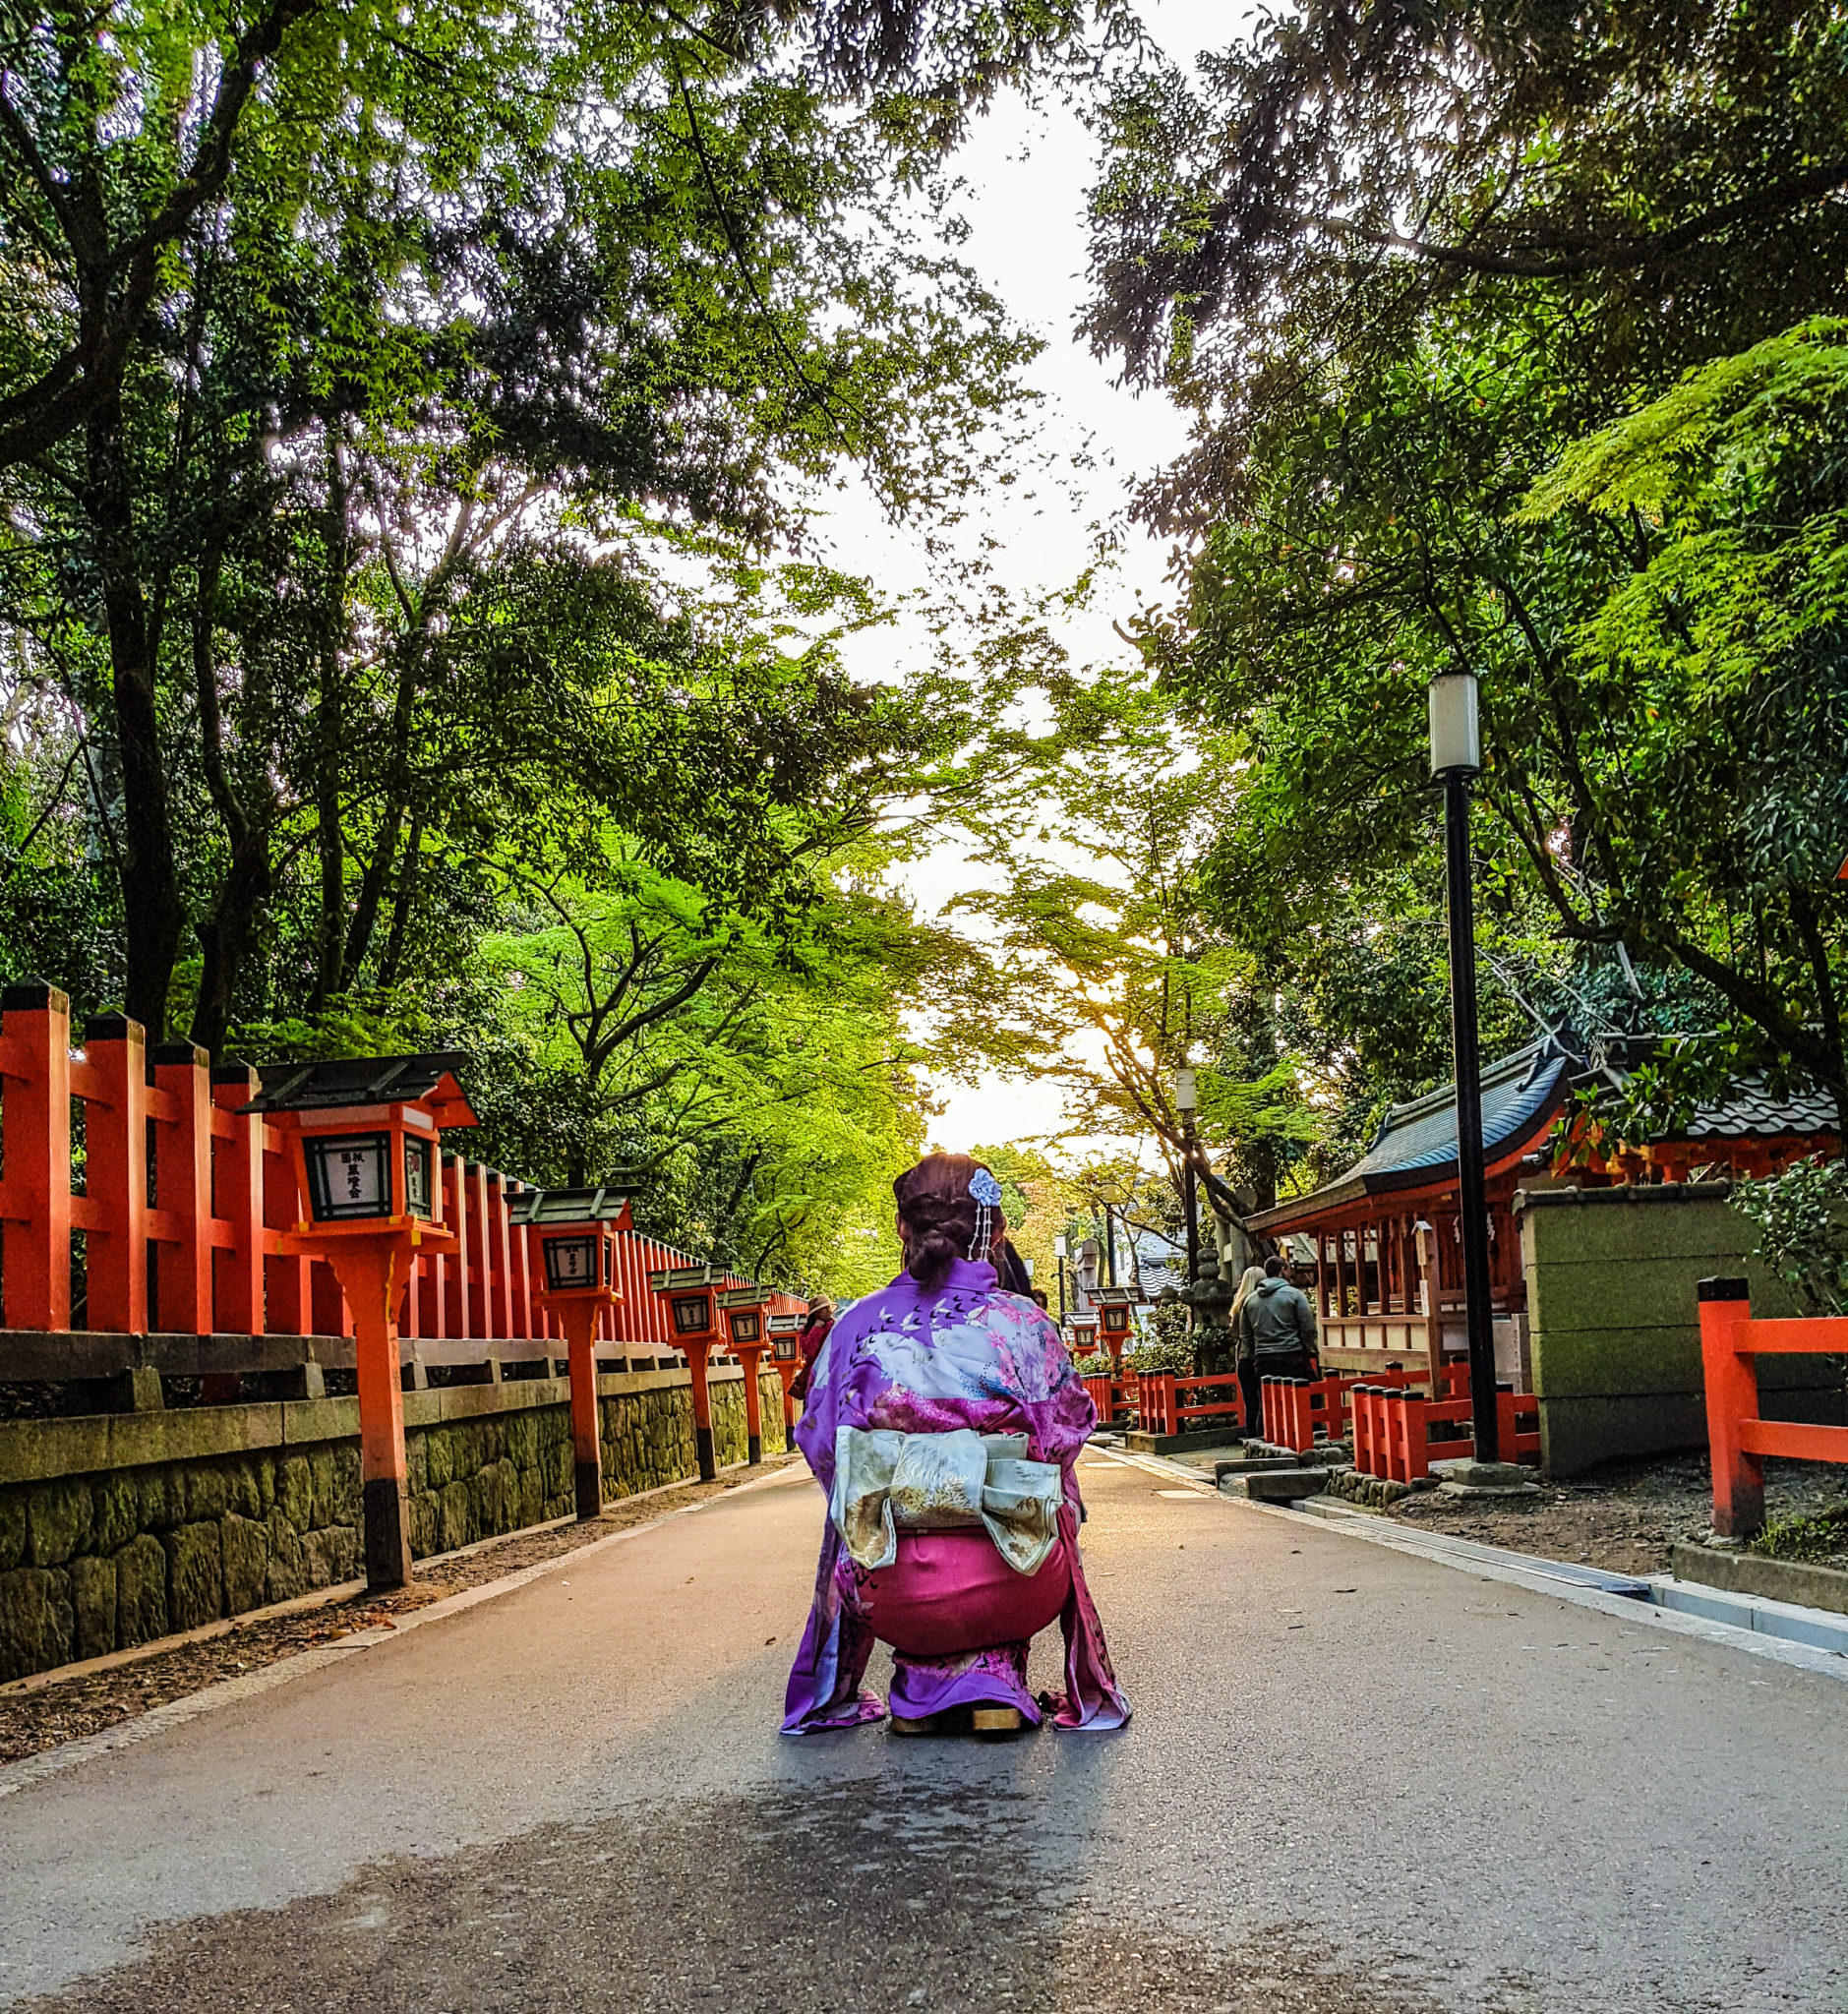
(743, 1307)
(688, 1291)
(575, 1233)
(1210, 1297)
(362, 1136)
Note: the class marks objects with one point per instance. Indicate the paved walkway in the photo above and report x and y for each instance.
(1357, 1782)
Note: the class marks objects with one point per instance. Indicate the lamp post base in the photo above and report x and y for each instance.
(388, 1533)
(702, 1442)
(590, 1491)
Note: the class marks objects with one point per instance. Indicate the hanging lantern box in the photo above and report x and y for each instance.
(744, 1308)
(786, 1332)
(689, 1291)
(576, 1230)
(363, 1135)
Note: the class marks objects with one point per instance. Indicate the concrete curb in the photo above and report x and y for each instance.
(1785, 1581)
(32, 1769)
(1516, 1570)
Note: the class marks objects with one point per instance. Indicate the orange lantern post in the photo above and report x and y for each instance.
(1115, 1324)
(575, 1233)
(786, 1352)
(363, 1135)
(689, 1292)
(744, 1308)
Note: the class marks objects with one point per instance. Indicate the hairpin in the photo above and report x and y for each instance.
(988, 1194)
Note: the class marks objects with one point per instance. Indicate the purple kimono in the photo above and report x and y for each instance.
(965, 1356)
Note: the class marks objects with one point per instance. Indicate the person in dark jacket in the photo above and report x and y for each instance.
(1277, 1338)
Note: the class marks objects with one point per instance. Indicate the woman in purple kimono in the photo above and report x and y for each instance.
(906, 1382)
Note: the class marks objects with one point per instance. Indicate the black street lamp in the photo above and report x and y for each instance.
(1456, 756)
(1186, 1104)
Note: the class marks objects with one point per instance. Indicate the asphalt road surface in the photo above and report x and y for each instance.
(1356, 1783)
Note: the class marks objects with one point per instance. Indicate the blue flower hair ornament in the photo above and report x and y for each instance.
(983, 1187)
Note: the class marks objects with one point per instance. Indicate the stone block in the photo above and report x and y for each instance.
(454, 1520)
(12, 1529)
(440, 1456)
(1577, 1433)
(424, 1521)
(520, 1439)
(208, 1492)
(1278, 1485)
(163, 1497)
(141, 1591)
(417, 1461)
(92, 1605)
(332, 1555)
(348, 1496)
(36, 1623)
(321, 1486)
(464, 1451)
(34, 1451)
(115, 1511)
(59, 1516)
(308, 1422)
(243, 1493)
(195, 1575)
(532, 1494)
(244, 1545)
(287, 1576)
(295, 1491)
(487, 1502)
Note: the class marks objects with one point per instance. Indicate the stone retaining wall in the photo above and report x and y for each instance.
(1614, 1327)
(119, 1528)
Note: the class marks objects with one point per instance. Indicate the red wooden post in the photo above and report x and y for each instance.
(183, 1154)
(1732, 1395)
(237, 1202)
(454, 1261)
(288, 1275)
(750, 1355)
(36, 1197)
(114, 1210)
(520, 1272)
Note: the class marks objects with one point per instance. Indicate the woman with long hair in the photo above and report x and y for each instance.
(940, 1368)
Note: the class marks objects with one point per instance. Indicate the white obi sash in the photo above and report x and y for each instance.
(886, 1482)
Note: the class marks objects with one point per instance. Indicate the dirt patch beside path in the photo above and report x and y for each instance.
(1623, 1517)
(66, 1709)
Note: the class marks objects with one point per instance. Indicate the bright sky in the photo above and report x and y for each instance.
(1029, 171)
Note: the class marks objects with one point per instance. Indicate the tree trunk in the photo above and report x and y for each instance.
(331, 968)
(152, 913)
(224, 937)
(401, 907)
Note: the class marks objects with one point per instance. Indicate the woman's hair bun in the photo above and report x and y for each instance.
(938, 1213)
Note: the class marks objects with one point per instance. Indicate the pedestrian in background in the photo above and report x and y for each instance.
(814, 1333)
(1276, 1338)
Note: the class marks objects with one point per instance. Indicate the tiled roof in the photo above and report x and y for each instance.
(1751, 1113)
(1417, 1142)
(1751, 1110)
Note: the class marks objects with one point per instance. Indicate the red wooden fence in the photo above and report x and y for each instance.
(181, 1203)
(1731, 1339)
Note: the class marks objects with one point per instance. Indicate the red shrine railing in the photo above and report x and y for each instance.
(180, 1202)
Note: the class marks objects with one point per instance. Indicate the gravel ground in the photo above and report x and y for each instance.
(67, 1709)
(1626, 1516)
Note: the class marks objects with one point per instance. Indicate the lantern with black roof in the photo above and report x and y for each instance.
(363, 1137)
(786, 1353)
(688, 1291)
(1115, 1322)
(575, 1232)
(744, 1308)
